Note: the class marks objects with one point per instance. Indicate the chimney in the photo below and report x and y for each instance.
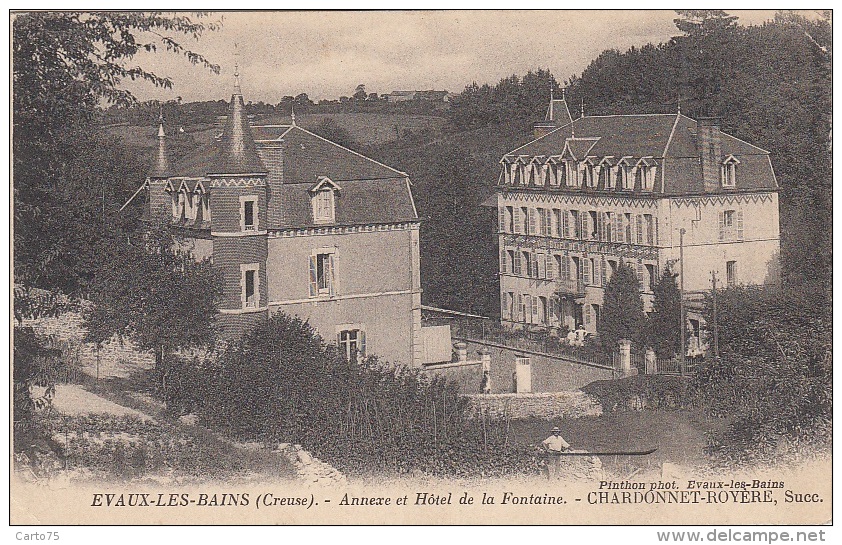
(709, 140)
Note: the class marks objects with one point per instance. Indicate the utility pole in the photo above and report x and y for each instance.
(715, 324)
(681, 289)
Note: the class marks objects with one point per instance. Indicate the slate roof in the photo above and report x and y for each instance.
(670, 139)
(160, 167)
(233, 153)
(358, 202)
(308, 156)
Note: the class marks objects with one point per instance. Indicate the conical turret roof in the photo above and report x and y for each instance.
(161, 164)
(237, 152)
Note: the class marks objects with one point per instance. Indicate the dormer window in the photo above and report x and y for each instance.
(571, 173)
(588, 178)
(645, 174)
(624, 180)
(606, 178)
(323, 206)
(728, 171)
(322, 198)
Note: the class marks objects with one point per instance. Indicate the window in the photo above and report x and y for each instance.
(542, 310)
(650, 228)
(352, 343)
(510, 220)
(517, 264)
(206, 208)
(524, 218)
(731, 273)
(323, 206)
(588, 178)
(627, 222)
(250, 285)
(248, 213)
(605, 174)
(536, 226)
(547, 222)
(594, 225)
(182, 202)
(322, 281)
(731, 225)
(577, 225)
(510, 262)
(728, 171)
(651, 275)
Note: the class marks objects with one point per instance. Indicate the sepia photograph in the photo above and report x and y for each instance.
(431, 267)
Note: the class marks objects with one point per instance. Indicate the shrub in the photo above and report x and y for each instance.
(643, 391)
(774, 374)
(281, 382)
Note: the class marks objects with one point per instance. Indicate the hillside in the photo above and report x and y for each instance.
(369, 129)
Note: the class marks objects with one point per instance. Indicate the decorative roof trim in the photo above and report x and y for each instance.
(321, 183)
(730, 159)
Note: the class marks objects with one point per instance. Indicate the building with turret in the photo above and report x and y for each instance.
(299, 224)
(590, 192)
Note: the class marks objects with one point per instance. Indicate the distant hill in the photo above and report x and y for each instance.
(369, 129)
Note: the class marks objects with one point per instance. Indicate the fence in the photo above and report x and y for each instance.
(487, 330)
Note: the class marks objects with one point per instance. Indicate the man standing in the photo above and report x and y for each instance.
(554, 445)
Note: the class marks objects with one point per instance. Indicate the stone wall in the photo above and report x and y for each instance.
(549, 374)
(116, 359)
(543, 405)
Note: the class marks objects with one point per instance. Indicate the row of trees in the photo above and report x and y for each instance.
(622, 315)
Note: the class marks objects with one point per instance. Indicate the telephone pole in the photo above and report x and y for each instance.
(681, 289)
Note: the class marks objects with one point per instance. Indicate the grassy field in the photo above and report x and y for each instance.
(680, 437)
(369, 129)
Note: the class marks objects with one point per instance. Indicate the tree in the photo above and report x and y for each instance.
(360, 93)
(665, 319)
(65, 65)
(622, 310)
(152, 291)
(774, 379)
(704, 22)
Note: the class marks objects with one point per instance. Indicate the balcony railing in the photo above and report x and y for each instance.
(571, 287)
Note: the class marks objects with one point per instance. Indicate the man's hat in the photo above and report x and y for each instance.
(555, 429)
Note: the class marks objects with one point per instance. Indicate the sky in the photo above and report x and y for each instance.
(327, 54)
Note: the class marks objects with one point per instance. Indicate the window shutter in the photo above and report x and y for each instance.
(621, 231)
(739, 225)
(534, 309)
(541, 265)
(531, 215)
(314, 281)
(640, 274)
(595, 271)
(330, 273)
(721, 226)
(587, 314)
(519, 309)
(604, 273)
(548, 222)
(550, 267)
(639, 229)
(528, 311)
(586, 270)
(565, 269)
(655, 240)
(534, 260)
(502, 216)
(516, 219)
(503, 256)
(583, 225)
(565, 224)
(361, 337)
